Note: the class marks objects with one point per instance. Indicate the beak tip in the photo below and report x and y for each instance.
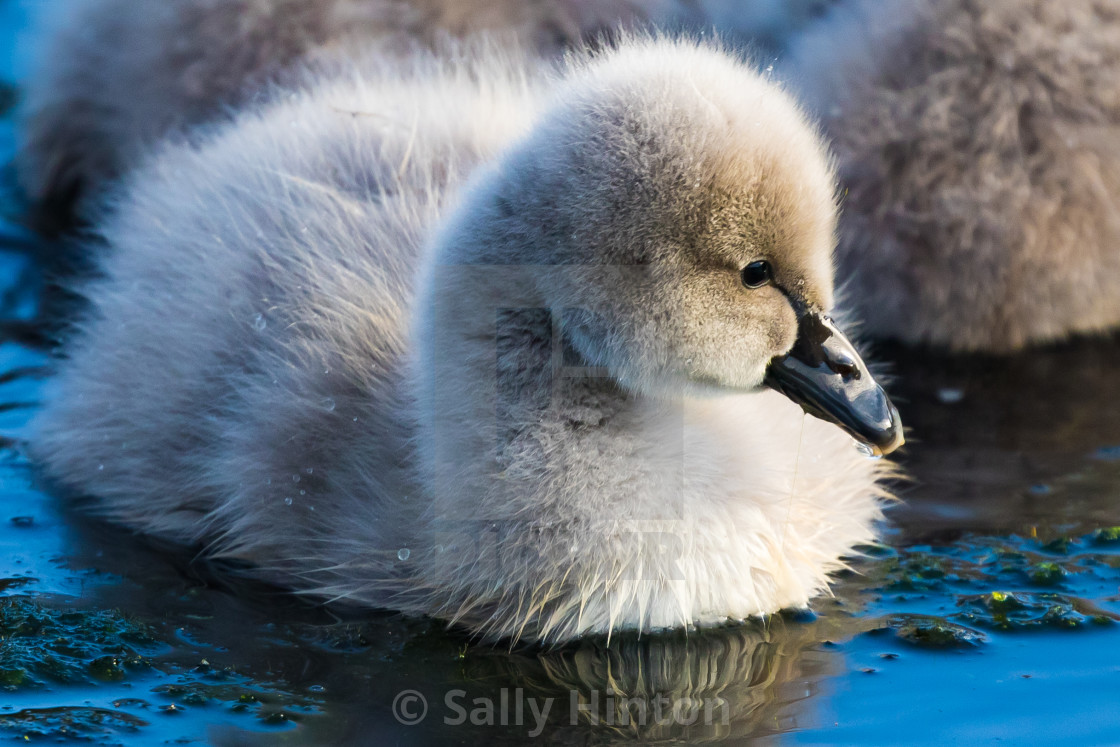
(880, 443)
(896, 441)
(894, 438)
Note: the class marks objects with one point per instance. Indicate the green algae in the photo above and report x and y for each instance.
(44, 648)
(975, 563)
(1106, 536)
(917, 571)
(69, 724)
(242, 695)
(934, 632)
(40, 645)
(1024, 611)
(1058, 546)
(1047, 573)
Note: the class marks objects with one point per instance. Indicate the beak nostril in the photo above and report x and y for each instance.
(847, 371)
(844, 365)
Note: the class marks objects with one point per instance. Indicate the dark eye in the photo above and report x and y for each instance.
(757, 274)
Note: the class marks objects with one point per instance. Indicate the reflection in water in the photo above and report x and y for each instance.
(700, 687)
(696, 688)
(1007, 444)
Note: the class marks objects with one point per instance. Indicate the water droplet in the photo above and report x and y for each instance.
(867, 451)
(950, 396)
(403, 553)
(310, 470)
(295, 478)
(328, 404)
(101, 468)
(268, 481)
(288, 501)
(303, 492)
(259, 322)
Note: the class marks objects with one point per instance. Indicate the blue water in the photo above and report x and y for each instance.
(988, 614)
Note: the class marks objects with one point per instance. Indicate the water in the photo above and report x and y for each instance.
(989, 613)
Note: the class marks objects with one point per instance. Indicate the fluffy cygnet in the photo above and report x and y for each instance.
(979, 149)
(466, 338)
(115, 76)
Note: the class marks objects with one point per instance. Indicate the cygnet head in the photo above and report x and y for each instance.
(679, 212)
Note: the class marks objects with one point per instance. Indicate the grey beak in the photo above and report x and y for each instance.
(825, 375)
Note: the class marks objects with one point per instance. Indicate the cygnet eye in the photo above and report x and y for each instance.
(757, 274)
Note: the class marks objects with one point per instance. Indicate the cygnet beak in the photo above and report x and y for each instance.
(825, 375)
